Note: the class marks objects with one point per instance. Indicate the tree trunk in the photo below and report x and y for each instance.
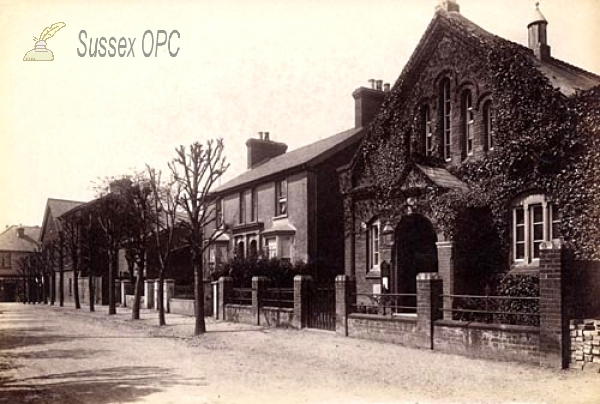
(53, 288)
(61, 276)
(76, 287)
(45, 288)
(112, 306)
(198, 293)
(161, 301)
(92, 290)
(137, 294)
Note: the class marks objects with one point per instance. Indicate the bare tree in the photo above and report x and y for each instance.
(165, 197)
(197, 169)
(71, 236)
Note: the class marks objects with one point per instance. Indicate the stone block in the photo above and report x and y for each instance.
(576, 365)
(596, 359)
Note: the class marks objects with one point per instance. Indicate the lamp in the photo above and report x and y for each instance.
(388, 233)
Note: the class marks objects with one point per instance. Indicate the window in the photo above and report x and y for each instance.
(534, 220)
(468, 122)
(487, 126)
(373, 245)
(253, 205)
(445, 108)
(271, 247)
(281, 198)
(240, 249)
(242, 207)
(5, 260)
(219, 213)
(427, 130)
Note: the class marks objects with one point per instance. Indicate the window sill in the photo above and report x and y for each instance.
(280, 217)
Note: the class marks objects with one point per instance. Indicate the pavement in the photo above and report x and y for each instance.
(52, 355)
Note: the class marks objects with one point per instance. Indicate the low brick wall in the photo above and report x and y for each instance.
(238, 313)
(129, 301)
(182, 306)
(276, 317)
(489, 341)
(396, 329)
(585, 344)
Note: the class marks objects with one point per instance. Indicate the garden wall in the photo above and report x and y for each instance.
(397, 330)
(489, 341)
(182, 306)
(585, 344)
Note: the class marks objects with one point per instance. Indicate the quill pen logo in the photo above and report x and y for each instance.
(40, 52)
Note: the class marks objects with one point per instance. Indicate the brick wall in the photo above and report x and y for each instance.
(237, 313)
(585, 344)
(397, 330)
(489, 341)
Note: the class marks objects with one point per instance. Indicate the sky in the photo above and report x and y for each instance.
(287, 67)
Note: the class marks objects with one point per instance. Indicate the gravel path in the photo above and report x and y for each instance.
(59, 355)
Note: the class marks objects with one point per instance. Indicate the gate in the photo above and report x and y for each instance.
(321, 307)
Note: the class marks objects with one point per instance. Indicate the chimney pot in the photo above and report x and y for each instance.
(372, 82)
(379, 83)
(20, 231)
(260, 135)
(267, 136)
(386, 87)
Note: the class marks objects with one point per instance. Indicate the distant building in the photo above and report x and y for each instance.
(289, 205)
(16, 243)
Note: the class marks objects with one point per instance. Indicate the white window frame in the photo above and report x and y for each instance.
(428, 132)
(487, 125)
(528, 204)
(469, 122)
(275, 250)
(446, 101)
(374, 245)
(281, 205)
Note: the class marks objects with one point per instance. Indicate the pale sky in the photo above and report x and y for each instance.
(287, 67)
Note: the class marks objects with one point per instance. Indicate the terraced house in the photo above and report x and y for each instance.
(483, 153)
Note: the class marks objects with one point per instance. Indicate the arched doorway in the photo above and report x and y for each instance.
(415, 251)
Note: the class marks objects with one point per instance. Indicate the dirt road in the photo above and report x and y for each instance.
(57, 355)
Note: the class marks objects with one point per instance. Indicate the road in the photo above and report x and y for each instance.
(54, 355)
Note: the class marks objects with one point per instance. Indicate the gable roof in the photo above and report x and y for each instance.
(442, 178)
(10, 240)
(309, 155)
(563, 76)
(54, 209)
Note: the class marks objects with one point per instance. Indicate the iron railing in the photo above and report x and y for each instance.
(241, 296)
(516, 310)
(279, 297)
(386, 303)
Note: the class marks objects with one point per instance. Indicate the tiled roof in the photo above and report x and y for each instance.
(10, 240)
(566, 78)
(60, 206)
(442, 178)
(313, 153)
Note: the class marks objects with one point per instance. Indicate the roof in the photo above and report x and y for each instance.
(10, 240)
(310, 155)
(54, 209)
(442, 178)
(566, 78)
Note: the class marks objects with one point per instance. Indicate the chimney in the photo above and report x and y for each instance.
(119, 186)
(538, 38)
(263, 149)
(20, 231)
(367, 102)
(448, 5)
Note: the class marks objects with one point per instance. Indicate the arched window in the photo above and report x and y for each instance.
(534, 220)
(427, 130)
(468, 123)
(446, 118)
(487, 126)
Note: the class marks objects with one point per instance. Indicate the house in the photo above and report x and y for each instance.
(288, 204)
(482, 150)
(50, 239)
(16, 243)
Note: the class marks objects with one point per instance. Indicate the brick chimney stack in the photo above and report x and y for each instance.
(538, 37)
(367, 101)
(448, 5)
(263, 149)
(20, 231)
